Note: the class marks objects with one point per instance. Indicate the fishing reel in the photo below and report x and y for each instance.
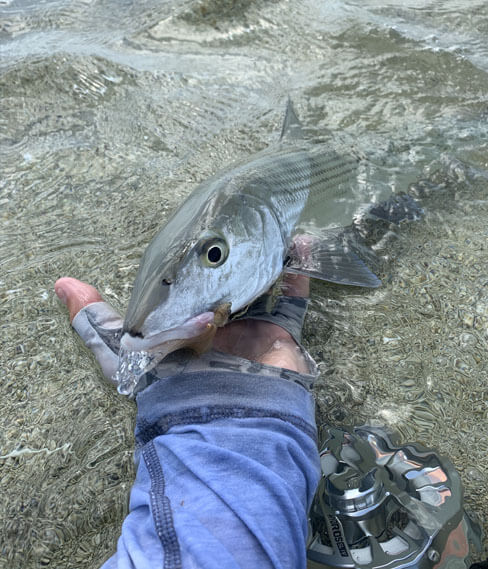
(383, 506)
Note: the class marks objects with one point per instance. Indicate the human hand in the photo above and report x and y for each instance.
(263, 341)
(255, 340)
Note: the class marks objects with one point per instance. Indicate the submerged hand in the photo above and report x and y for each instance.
(265, 342)
(251, 339)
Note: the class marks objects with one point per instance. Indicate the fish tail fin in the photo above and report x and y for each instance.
(396, 209)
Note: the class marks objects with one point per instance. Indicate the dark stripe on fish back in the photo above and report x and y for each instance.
(308, 177)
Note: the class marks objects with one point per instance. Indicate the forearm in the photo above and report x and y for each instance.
(227, 469)
(227, 459)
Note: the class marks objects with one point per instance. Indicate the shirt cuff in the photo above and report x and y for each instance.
(208, 396)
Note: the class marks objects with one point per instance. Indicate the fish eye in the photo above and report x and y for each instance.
(166, 282)
(214, 252)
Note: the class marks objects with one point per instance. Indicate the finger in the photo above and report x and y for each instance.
(296, 285)
(75, 294)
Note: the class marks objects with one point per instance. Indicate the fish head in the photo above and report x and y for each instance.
(192, 278)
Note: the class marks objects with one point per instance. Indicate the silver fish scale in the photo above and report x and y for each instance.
(331, 176)
(294, 177)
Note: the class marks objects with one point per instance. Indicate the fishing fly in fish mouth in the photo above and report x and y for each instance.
(230, 241)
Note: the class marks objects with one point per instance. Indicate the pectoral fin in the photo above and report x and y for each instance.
(332, 259)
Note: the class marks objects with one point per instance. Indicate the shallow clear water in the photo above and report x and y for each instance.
(113, 111)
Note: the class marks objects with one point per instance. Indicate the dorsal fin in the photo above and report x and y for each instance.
(292, 128)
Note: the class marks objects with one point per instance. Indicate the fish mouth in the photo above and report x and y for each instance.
(191, 329)
(139, 354)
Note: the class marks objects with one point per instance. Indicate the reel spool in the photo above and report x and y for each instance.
(380, 506)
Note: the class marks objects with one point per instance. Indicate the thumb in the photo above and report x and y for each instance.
(75, 294)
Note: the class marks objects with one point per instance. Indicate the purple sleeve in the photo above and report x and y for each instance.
(227, 469)
(227, 460)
